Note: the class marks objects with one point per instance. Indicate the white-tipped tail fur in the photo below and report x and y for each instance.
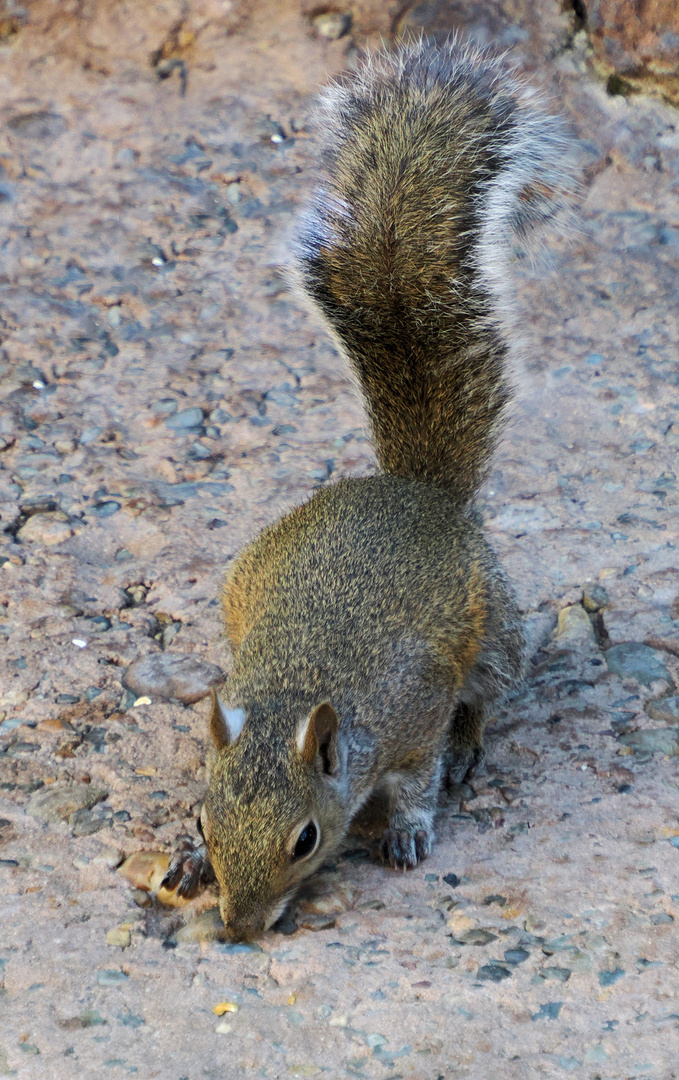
(435, 162)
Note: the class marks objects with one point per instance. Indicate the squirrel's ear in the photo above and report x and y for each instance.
(317, 738)
(225, 724)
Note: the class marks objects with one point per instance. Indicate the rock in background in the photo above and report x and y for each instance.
(636, 45)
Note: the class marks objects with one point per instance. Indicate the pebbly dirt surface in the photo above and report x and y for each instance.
(163, 397)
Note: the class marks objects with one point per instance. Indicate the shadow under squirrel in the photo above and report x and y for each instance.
(372, 626)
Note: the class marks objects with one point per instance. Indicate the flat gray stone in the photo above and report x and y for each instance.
(172, 675)
(187, 418)
(110, 977)
(658, 741)
(86, 822)
(59, 801)
(665, 711)
(632, 660)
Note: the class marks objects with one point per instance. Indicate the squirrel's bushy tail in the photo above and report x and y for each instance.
(433, 160)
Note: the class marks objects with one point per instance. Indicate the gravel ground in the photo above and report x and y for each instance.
(163, 397)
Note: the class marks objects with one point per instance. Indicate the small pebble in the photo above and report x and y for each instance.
(665, 711)
(548, 1011)
(186, 419)
(110, 858)
(141, 898)
(89, 1018)
(207, 926)
(632, 660)
(609, 978)
(164, 407)
(477, 937)
(168, 675)
(118, 936)
(86, 822)
(654, 741)
(493, 972)
(594, 598)
(59, 801)
(225, 1007)
(110, 977)
(46, 529)
(574, 626)
(332, 24)
(106, 509)
(557, 973)
(238, 948)
(516, 956)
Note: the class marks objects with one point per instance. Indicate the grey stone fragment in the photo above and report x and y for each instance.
(477, 937)
(110, 977)
(632, 660)
(558, 973)
(58, 802)
(37, 125)
(594, 598)
(665, 711)
(549, 1011)
(516, 956)
(187, 418)
(609, 978)
(172, 675)
(86, 822)
(659, 741)
(493, 972)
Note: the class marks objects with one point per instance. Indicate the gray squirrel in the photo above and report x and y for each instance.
(372, 626)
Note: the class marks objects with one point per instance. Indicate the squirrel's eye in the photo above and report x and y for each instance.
(199, 826)
(306, 842)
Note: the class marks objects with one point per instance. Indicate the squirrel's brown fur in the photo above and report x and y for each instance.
(371, 626)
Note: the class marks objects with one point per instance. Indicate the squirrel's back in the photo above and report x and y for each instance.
(433, 160)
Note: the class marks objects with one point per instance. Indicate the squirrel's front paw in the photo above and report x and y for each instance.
(403, 849)
(189, 870)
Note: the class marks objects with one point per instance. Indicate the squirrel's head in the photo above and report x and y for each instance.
(273, 812)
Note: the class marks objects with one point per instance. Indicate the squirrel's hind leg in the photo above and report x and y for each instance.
(413, 796)
(464, 751)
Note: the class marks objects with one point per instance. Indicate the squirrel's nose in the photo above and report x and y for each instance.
(238, 927)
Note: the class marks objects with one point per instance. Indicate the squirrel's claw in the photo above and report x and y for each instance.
(189, 870)
(403, 850)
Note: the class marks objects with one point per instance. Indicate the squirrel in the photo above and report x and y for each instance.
(372, 626)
